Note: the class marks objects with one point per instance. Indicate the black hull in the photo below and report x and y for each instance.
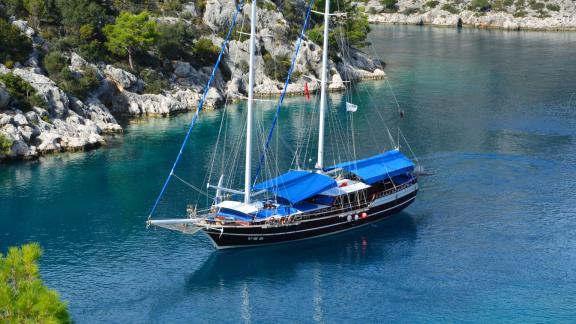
(313, 228)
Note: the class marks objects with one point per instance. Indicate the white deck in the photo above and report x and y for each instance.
(345, 186)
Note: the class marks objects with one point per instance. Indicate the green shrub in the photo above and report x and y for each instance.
(537, 6)
(54, 62)
(171, 6)
(77, 14)
(267, 5)
(410, 11)
(13, 45)
(24, 94)
(520, 14)
(432, 3)
(277, 67)
(154, 82)
(534, 5)
(480, 5)
(354, 29)
(316, 34)
(14, 8)
(92, 51)
(36, 100)
(25, 298)
(450, 8)
(77, 84)
(543, 14)
(498, 5)
(244, 66)
(64, 44)
(86, 33)
(9, 64)
(390, 5)
(508, 3)
(5, 144)
(172, 39)
(553, 7)
(200, 5)
(205, 51)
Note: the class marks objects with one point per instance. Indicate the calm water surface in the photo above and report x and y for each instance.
(491, 237)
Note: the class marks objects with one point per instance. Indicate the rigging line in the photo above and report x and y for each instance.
(309, 132)
(286, 83)
(385, 78)
(191, 186)
(409, 147)
(200, 105)
(213, 160)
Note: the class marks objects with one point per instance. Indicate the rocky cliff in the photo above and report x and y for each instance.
(550, 15)
(67, 122)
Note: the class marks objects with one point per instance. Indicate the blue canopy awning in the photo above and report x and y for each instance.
(295, 186)
(378, 167)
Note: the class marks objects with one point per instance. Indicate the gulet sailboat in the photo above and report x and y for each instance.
(299, 204)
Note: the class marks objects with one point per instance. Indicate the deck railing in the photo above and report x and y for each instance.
(358, 206)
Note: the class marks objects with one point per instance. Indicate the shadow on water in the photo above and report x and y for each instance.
(358, 247)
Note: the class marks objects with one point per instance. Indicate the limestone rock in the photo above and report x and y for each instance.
(24, 28)
(182, 69)
(218, 14)
(129, 103)
(4, 97)
(56, 99)
(77, 63)
(189, 8)
(563, 19)
(95, 111)
(20, 120)
(124, 80)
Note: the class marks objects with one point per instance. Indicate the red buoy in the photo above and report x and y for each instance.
(364, 215)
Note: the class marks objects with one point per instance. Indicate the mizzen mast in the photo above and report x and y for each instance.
(324, 81)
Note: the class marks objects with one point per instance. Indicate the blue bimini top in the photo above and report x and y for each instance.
(379, 167)
(296, 186)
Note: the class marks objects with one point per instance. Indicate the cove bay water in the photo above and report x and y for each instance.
(491, 236)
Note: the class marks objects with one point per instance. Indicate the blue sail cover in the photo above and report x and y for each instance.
(378, 167)
(295, 186)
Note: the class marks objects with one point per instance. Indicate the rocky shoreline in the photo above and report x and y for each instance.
(469, 19)
(68, 123)
(552, 15)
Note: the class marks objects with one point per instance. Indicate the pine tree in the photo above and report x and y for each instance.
(23, 296)
(130, 33)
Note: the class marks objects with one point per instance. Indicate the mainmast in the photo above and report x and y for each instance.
(320, 163)
(248, 171)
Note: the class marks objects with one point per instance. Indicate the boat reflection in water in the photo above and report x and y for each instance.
(242, 272)
(233, 267)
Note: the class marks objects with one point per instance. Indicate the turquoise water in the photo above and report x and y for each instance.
(491, 236)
